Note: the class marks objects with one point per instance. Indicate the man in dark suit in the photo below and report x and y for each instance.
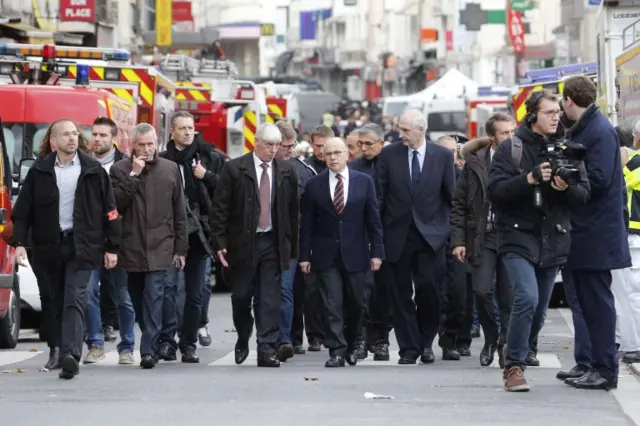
(254, 223)
(339, 220)
(416, 186)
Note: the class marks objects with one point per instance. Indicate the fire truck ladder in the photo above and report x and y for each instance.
(182, 66)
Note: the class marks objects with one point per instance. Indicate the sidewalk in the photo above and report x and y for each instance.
(635, 369)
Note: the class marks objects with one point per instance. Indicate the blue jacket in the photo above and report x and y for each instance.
(599, 236)
(327, 236)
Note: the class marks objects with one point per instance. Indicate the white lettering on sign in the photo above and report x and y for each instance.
(78, 13)
(78, 3)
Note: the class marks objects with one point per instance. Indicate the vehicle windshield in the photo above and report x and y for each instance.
(395, 109)
(23, 140)
(447, 121)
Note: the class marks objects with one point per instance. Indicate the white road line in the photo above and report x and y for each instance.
(566, 315)
(13, 357)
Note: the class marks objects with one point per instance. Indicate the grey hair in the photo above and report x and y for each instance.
(417, 118)
(445, 138)
(373, 130)
(180, 114)
(143, 129)
(268, 132)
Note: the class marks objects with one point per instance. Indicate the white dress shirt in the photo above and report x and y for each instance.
(67, 181)
(258, 166)
(333, 181)
(421, 153)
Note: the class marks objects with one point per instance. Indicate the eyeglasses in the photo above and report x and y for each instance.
(368, 144)
(552, 113)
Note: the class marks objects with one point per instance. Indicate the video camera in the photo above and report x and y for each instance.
(565, 157)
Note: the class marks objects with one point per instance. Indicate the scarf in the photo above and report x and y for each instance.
(109, 158)
(185, 159)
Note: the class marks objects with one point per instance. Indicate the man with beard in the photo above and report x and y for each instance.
(474, 237)
(199, 165)
(531, 205)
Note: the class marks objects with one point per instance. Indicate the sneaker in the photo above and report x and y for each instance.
(204, 337)
(95, 354)
(514, 380)
(125, 358)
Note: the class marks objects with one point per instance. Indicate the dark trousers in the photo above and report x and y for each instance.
(454, 293)
(194, 271)
(344, 297)
(108, 305)
(593, 289)
(147, 293)
(206, 293)
(68, 288)
(259, 284)
(380, 322)
(314, 309)
(582, 341)
(47, 328)
(487, 290)
(297, 328)
(416, 319)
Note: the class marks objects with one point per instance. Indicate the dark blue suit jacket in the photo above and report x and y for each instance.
(325, 234)
(429, 207)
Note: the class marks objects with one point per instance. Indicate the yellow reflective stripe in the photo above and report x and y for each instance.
(249, 129)
(634, 224)
(275, 109)
(145, 92)
(197, 95)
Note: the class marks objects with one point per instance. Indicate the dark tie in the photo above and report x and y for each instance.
(265, 198)
(416, 173)
(338, 195)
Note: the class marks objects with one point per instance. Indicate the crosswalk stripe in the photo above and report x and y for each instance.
(13, 357)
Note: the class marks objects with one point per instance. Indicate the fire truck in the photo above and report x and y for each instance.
(227, 111)
(547, 78)
(487, 95)
(151, 93)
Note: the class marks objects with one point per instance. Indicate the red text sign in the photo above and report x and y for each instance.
(77, 10)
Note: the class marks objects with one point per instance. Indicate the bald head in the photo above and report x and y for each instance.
(336, 154)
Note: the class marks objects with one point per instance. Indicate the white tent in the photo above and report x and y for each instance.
(451, 85)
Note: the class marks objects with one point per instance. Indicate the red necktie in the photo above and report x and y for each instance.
(265, 198)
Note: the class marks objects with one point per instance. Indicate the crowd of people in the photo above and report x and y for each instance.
(364, 236)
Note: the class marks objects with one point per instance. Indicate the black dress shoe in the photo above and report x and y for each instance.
(268, 361)
(241, 353)
(189, 356)
(70, 368)
(299, 350)
(361, 351)
(575, 373)
(427, 356)
(475, 332)
(148, 362)
(352, 358)
(314, 346)
(487, 354)
(407, 360)
(167, 352)
(285, 352)
(532, 361)
(593, 381)
(464, 350)
(449, 354)
(54, 361)
(381, 352)
(334, 362)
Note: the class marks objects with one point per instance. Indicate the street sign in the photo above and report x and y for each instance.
(522, 5)
(164, 23)
(267, 30)
(515, 28)
(473, 17)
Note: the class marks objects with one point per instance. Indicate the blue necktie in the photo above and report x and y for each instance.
(416, 173)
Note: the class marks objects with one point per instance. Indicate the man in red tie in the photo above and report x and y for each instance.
(339, 220)
(254, 223)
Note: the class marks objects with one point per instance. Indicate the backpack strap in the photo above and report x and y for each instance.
(516, 152)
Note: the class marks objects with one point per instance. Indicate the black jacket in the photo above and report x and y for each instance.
(363, 165)
(97, 228)
(542, 236)
(304, 172)
(318, 165)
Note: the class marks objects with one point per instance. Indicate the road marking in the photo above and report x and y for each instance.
(568, 318)
(13, 357)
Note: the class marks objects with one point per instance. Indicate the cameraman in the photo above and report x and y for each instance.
(599, 242)
(532, 217)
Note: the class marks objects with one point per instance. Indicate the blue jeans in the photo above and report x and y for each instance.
(286, 304)
(532, 289)
(147, 293)
(95, 333)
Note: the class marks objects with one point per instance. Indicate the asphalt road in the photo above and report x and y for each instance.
(218, 392)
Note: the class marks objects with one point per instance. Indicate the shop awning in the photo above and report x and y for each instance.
(27, 33)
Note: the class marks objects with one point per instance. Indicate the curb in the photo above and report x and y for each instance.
(635, 369)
